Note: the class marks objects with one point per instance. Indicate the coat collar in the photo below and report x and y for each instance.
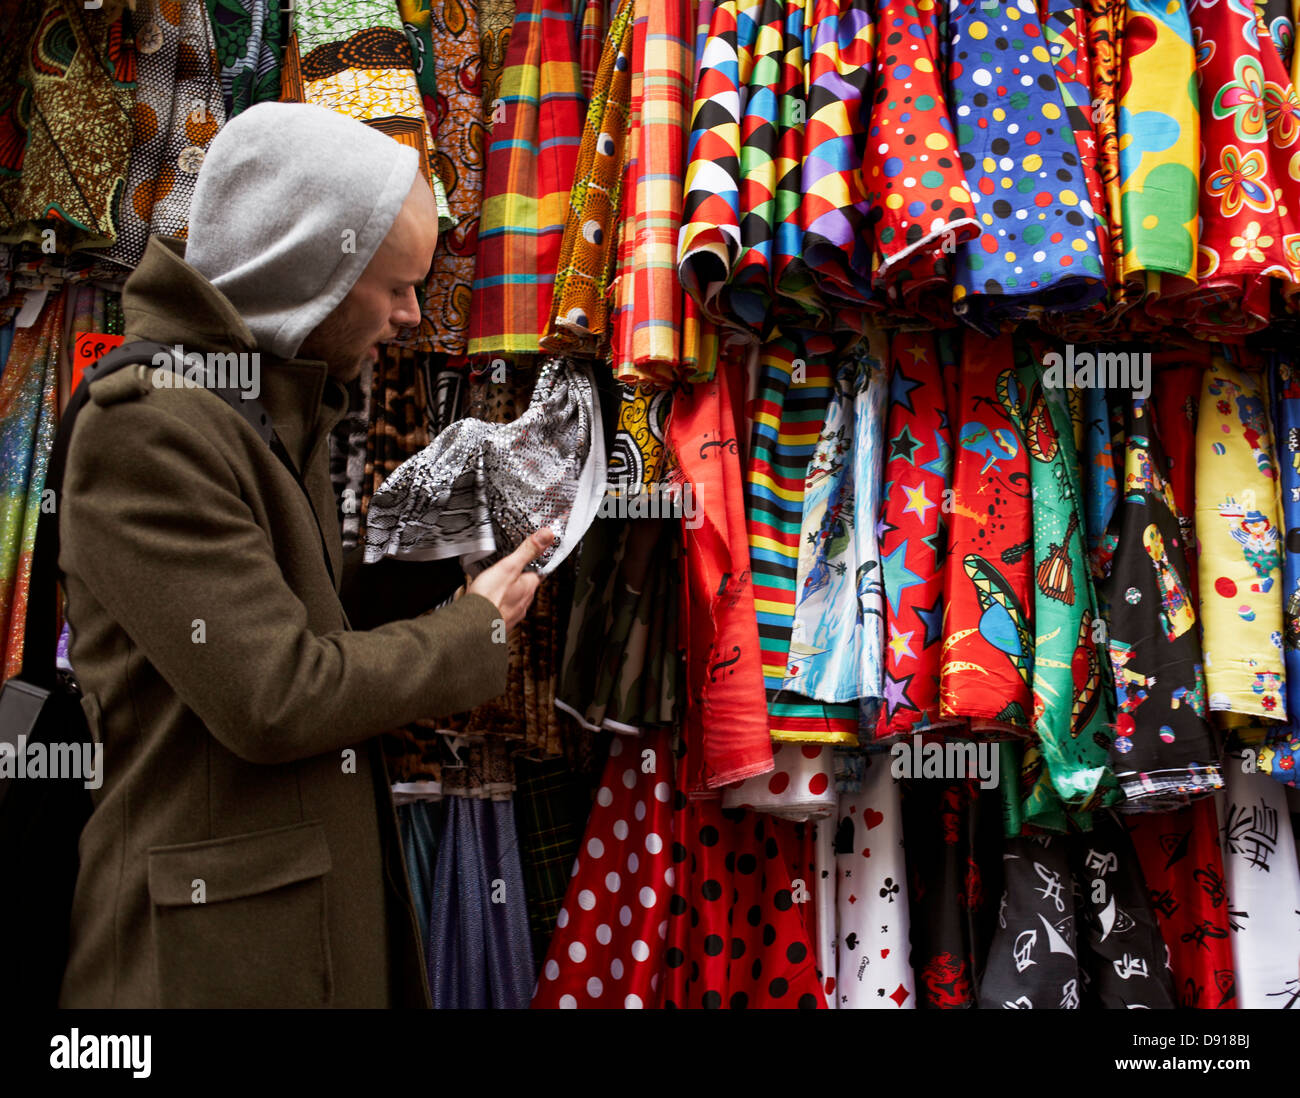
(167, 300)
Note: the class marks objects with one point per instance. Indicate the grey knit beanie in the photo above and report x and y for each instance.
(290, 205)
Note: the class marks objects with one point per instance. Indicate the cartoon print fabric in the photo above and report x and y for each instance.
(1164, 751)
(837, 632)
(1237, 529)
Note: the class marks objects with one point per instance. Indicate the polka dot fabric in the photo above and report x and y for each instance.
(608, 947)
(1038, 245)
(800, 788)
(737, 936)
(916, 183)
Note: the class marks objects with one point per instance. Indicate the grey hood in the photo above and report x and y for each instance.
(291, 203)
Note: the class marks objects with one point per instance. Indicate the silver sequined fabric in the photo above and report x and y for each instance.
(479, 489)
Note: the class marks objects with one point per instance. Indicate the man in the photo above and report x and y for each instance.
(243, 850)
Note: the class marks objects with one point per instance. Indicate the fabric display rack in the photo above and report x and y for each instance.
(958, 661)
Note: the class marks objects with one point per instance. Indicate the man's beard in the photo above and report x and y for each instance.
(337, 342)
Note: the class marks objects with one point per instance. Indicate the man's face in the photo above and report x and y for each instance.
(383, 299)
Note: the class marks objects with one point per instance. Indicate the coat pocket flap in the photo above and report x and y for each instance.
(237, 865)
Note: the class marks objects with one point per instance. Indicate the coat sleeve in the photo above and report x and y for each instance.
(153, 522)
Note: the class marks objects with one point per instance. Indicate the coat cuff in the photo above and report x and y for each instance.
(479, 668)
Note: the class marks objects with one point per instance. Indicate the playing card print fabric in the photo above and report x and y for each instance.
(874, 966)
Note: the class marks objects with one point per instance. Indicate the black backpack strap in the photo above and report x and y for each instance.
(39, 638)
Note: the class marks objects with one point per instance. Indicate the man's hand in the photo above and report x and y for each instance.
(507, 585)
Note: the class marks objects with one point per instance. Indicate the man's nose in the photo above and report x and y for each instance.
(407, 312)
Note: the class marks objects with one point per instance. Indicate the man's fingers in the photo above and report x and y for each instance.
(531, 548)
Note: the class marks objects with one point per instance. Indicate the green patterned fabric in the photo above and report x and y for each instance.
(250, 37)
(1073, 700)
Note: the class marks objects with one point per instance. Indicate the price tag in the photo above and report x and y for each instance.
(90, 346)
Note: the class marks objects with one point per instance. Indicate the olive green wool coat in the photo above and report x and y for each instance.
(243, 849)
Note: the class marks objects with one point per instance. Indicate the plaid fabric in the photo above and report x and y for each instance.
(650, 313)
(551, 808)
(530, 170)
(579, 319)
(591, 37)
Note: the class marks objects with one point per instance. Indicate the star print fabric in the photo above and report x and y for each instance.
(913, 535)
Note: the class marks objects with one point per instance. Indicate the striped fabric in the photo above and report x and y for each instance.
(787, 415)
(591, 37)
(530, 170)
(649, 317)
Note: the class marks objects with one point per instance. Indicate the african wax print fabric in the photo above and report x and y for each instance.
(250, 39)
(579, 319)
(72, 70)
(355, 58)
(444, 36)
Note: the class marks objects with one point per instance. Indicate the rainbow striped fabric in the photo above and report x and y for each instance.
(787, 415)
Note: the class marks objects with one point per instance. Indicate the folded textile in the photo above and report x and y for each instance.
(479, 489)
